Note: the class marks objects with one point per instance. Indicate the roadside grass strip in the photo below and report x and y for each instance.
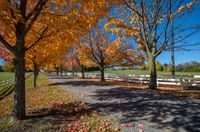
(6, 91)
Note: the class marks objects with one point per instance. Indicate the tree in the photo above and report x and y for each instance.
(35, 59)
(97, 49)
(8, 67)
(147, 22)
(74, 56)
(159, 66)
(18, 22)
(18, 18)
(192, 66)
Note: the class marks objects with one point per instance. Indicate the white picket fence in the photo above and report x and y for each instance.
(7, 82)
(182, 81)
(11, 81)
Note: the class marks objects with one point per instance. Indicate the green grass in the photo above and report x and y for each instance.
(6, 104)
(50, 108)
(6, 75)
(142, 72)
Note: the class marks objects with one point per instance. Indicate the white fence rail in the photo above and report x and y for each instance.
(182, 81)
(7, 82)
(10, 81)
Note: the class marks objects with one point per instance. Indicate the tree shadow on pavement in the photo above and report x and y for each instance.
(82, 83)
(59, 77)
(166, 111)
(161, 110)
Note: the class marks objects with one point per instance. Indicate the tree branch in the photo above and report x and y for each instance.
(37, 13)
(36, 8)
(39, 38)
(133, 9)
(7, 45)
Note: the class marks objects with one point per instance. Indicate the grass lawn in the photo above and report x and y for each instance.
(6, 75)
(143, 72)
(49, 108)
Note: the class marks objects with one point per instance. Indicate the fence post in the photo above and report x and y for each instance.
(181, 82)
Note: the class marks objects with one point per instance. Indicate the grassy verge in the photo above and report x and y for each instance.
(176, 91)
(167, 90)
(143, 72)
(6, 75)
(49, 108)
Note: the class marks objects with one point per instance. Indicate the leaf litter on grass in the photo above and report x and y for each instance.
(50, 108)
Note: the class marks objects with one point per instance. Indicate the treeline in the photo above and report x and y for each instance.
(192, 66)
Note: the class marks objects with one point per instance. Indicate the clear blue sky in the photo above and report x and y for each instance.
(182, 56)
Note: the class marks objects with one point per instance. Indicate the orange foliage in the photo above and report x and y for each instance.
(98, 50)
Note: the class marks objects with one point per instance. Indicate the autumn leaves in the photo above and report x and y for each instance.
(37, 29)
(96, 49)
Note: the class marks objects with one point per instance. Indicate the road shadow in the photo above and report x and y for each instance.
(59, 77)
(59, 111)
(164, 110)
(82, 83)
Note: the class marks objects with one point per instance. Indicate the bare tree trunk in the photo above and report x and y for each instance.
(102, 74)
(173, 61)
(152, 72)
(82, 72)
(19, 90)
(172, 43)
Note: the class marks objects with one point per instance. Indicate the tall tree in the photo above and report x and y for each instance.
(172, 40)
(147, 22)
(18, 18)
(97, 49)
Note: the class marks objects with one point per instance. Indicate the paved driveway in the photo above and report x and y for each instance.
(153, 112)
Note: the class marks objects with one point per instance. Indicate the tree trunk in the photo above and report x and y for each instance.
(57, 70)
(102, 74)
(152, 72)
(82, 72)
(61, 71)
(19, 90)
(172, 43)
(35, 74)
(73, 71)
(34, 78)
(19, 111)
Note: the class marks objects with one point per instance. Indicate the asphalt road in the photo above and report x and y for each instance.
(134, 110)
